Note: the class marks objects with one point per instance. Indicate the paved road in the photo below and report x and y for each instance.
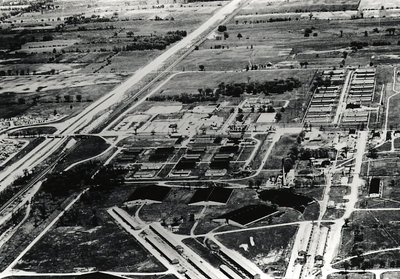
(335, 235)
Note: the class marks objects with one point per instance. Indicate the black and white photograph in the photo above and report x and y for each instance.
(200, 139)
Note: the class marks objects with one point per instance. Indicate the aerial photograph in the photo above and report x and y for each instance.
(200, 139)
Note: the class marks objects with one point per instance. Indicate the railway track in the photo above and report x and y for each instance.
(38, 177)
(82, 121)
(117, 113)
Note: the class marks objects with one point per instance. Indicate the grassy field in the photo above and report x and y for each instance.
(389, 275)
(279, 151)
(104, 246)
(272, 247)
(47, 102)
(394, 110)
(262, 42)
(264, 6)
(190, 82)
(385, 168)
(85, 149)
(370, 231)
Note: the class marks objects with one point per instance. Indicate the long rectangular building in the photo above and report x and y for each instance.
(240, 262)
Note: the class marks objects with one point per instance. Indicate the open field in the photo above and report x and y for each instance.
(281, 6)
(283, 44)
(388, 275)
(371, 4)
(191, 82)
(271, 247)
(280, 150)
(85, 149)
(103, 246)
(370, 231)
(63, 101)
(27, 84)
(96, 40)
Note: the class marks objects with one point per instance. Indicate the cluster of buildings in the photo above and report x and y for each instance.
(360, 94)
(26, 120)
(8, 148)
(325, 100)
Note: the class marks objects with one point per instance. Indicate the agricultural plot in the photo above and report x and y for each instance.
(27, 84)
(267, 44)
(105, 39)
(65, 101)
(370, 4)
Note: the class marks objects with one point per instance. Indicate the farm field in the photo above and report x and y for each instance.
(370, 4)
(62, 101)
(267, 44)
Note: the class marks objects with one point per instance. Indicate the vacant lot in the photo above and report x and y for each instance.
(104, 246)
(84, 149)
(279, 151)
(389, 275)
(191, 82)
(271, 247)
(370, 231)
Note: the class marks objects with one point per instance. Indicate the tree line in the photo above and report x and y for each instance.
(277, 86)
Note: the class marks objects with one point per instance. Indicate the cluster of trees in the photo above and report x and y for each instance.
(17, 72)
(320, 153)
(153, 42)
(222, 28)
(267, 87)
(205, 95)
(157, 18)
(86, 175)
(79, 19)
(273, 19)
(319, 81)
(355, 45)
(58, 99)
(309, 31)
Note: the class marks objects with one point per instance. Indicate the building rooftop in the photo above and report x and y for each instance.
(214, 194)
(152, 192)
(249, 214)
